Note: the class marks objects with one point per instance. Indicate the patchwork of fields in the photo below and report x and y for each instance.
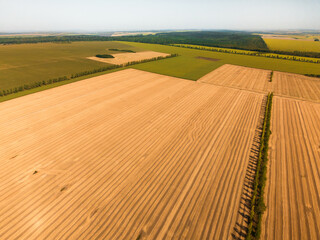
(124, 155)
(28, 63)
(138, 155)
(258, 80)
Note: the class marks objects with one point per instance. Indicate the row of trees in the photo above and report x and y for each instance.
(121, 50)
(257, 202)
(313, 75)
(251, 53)
(271, 76)
(76, 75)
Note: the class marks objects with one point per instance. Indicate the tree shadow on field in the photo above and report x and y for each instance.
(240, 229)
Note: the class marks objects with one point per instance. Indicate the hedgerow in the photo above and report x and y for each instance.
(271, 76)
(256, 53)
(257, 203)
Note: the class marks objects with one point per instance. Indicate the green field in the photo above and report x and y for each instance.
(188, 66)
(292, 45)
(28, 63)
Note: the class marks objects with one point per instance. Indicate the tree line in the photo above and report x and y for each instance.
(121, 50)
(313, 75)
(257, 202)
(252, 53)
(37, 84)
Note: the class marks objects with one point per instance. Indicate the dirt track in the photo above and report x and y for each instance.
(121, 58)
(293, 181)
(124, 154)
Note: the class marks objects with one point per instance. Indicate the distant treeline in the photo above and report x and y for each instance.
(76, 75)
(223, 39)
(44, 39)
(237, 40)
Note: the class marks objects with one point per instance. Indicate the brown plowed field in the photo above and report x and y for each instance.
(124, 154)
(297, 86)
(239, 77)
(121, 58)
(293, 181)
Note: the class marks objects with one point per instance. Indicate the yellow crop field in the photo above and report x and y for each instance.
(292, 45)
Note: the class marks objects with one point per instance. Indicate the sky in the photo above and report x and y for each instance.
(140, 15)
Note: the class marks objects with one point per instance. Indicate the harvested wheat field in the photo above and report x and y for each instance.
(257, 80)
(121, 58)
(293, 185)
(239, 77)
(125, 155)
(297, 86)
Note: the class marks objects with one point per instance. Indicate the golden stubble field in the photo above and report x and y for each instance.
(134, 154)
(293, 185)
(123, 155)
(257, 80)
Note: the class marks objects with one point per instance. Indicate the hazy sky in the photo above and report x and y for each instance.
(106, 15)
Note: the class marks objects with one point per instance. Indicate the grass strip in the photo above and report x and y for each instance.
(257, 203)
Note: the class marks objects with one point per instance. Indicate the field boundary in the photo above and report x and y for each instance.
(257, 203)
(241, 226)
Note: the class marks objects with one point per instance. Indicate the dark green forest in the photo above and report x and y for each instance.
(238, 40)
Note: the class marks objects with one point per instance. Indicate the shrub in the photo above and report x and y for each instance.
(104, 56)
